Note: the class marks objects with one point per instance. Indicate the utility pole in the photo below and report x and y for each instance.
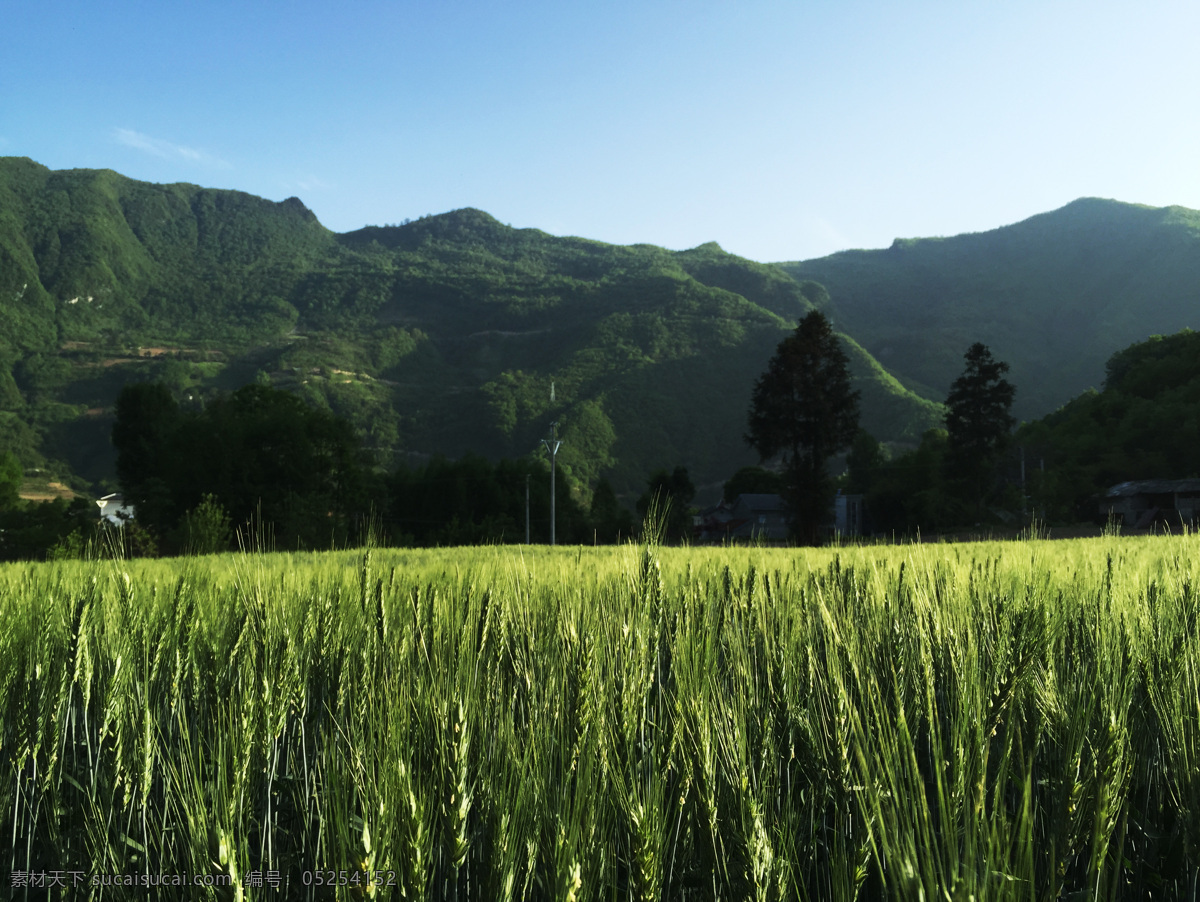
(526, 508)
(552, 445)
(1024, 497)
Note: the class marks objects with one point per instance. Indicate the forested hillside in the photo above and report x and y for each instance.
(1054, 295)
(443, 335)
(1143, 424)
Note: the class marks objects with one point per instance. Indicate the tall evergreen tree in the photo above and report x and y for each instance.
(979, 422)
(804, 408)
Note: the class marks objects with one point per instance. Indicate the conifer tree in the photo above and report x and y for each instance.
(804, 408)
(979, 423)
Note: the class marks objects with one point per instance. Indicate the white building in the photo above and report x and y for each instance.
(114, 510)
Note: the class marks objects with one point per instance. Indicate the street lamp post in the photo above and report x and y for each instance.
(552, 445)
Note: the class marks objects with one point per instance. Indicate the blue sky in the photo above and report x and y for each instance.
(780, 130)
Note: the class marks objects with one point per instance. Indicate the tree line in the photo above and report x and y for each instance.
(804, 411)
(261, 468)
(978, 471)
(261, 464)
(1143, 423)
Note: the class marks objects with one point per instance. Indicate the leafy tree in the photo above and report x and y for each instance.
(610, 521)
(10, 395)
(804, 408)
(32, 530)
(906, 494)
(206, 528)
(265, 452)
(20, 438)
(979, 425)
(670, 494)
(147, 417)
(11, 476)
(262, 454)
(470, 501)
(752, 481)
(863, 463)
(71, 547)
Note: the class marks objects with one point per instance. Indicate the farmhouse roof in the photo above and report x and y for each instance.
(1154, 487)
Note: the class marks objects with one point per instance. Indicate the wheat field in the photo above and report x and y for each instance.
(1013, 720)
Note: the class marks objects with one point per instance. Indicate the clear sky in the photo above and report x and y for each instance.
(781, 130)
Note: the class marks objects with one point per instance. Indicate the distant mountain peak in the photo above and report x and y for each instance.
(468, 216)
(295, 205)
(459, 223)
(1087, 211)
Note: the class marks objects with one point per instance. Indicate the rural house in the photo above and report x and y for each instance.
(114, 511)
(1144, 503)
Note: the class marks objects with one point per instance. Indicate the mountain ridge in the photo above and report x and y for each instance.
(1054, 295)
(441, 335)
(444, 334)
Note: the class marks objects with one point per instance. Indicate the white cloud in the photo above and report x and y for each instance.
(166, 149)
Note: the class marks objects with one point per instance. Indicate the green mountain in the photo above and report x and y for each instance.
(453, 333)
(1054, 296)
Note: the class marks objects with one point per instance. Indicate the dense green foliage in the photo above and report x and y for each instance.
(38, 529)
(939, 722)
(473, 501)
(263, 455)
(262, 464)
(611, 523)
(908, 493)
(444, 335)
(664, 509)
(1054, 295)
(11, 477)
(438, 336)
(1144, 424)
(805, 410)
(752, 481)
